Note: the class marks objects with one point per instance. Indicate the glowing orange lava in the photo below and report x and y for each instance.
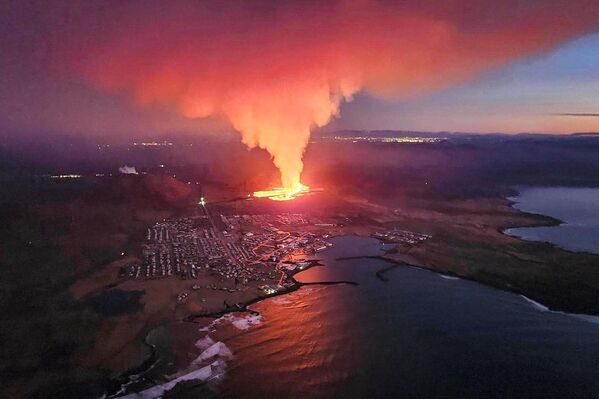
(282, 193)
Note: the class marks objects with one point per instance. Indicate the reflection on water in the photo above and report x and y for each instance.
(416, 336)
(577, 208)
(295, 352)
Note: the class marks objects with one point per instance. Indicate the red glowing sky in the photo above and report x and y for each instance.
(261, 66)
(273, 70)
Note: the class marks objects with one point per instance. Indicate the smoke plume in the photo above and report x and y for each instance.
(128, 170)
(277, 69)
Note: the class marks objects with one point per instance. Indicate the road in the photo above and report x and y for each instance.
(218, 234)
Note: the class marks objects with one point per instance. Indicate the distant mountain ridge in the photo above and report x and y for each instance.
(447, 134)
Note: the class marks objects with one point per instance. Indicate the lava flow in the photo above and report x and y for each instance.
(282, 193)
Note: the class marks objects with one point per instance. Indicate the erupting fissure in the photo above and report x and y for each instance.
(282, 193)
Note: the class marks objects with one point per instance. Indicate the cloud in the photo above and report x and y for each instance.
(576, 114)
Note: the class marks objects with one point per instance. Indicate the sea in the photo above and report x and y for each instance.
(419, 334)
(576, 208)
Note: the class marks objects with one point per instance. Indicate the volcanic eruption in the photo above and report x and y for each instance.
(276, 70)
(283, 193)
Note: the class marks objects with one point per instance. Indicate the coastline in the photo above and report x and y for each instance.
(538, 220)
(131, 376)
(452, 275)
(476, 248)
(543, 308)
(244, 307)
(544, 221)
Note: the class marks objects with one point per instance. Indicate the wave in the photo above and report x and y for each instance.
(210, 327)
(217, 350)
(204, 343)
(240, 322)
(209, 366)
(543, 308)
(243, 323)
(281, 301)
(205, 374)
(446, 277)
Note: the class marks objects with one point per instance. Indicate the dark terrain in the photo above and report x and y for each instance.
(55, 231)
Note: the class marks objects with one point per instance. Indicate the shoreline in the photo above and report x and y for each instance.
(126, 378)
(244, 307)
(544, 221)
(398, 263)
(542, 308)
(295, 285)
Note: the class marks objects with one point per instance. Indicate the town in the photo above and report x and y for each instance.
(246, 248)
(403, 238)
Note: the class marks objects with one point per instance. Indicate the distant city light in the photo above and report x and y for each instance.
(268, 290)
(71, 176)
(154, 144)
(373, 139)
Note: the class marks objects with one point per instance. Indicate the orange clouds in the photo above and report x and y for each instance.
(277, 69)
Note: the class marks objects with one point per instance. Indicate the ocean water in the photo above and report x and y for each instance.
(577, 208)
(419, 335)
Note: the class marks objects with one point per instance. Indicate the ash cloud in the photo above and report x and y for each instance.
(276, 70)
